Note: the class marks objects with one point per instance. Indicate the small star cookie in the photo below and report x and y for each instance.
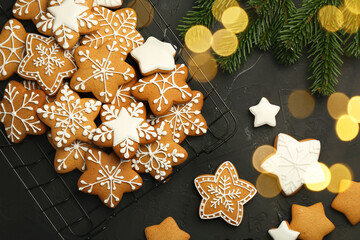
(264, 113)
(166, 230)
(224, 194)
(283, 232)
(109, 3)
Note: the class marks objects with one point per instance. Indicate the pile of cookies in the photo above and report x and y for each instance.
(76, 76)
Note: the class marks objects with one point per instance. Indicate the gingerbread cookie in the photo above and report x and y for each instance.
(124, 129)
(70, 117)
(46, 62)
(224, 194)
(12, 46)
(123, 97)
(119, 26)
(185, 119)
(294, 163)
(166, 230)
(283, 232)
(31, 85)
(101, 71)
(311, 222)
(164, 90)
(154, 56)
(113, 4)
(108, 177)
(18, 111)
(264, 113)
(159, 157)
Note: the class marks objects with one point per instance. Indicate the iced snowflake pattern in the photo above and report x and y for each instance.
(48, 58)
(76, 151)
(123, 96)
(25, 9)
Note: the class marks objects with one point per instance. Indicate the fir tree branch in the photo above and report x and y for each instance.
(353, 48)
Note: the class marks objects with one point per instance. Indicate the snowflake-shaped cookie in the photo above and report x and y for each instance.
(12, 46)
(124, 129)
(185, 119)
(108, 177)
(159, 157)
(46, 62)
(70, 117)
(123, 97)
(108, 3)
(68, 19)
(162, 90)
(101, 71)
(18, 111)
(224, 194)
(119, 25)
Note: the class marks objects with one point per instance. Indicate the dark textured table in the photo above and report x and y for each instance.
(20, 217)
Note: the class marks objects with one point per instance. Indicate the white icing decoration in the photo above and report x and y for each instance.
(32, 85)
(295, 163)
(108, 3)
(122, 95)
(283, 232)
(78, 148)
(154, 55)
(264, 113)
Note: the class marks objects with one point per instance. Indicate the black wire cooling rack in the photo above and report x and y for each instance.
(76, 215)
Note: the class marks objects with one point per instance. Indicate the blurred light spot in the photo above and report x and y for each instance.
(219, 6)
(339, 172)
(353, 108)
(301, 104)
(316, 187)
(202, 66)
(224, 42)
(267, 186)
(331, 18)
(346, 128)
(235, 19)
(351, 21)
(260, 154)
(337, 105)
(198, 39)
(352, 6)
(144, 12)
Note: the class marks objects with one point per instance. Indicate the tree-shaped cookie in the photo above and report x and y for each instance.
(159, 157)
(108, 177)
(162, 90)
(18, 111)
(46, 62)
(119, 26)
(101, 71)
(70, 117)
(184, 119)
(12, 45)
(124, 129)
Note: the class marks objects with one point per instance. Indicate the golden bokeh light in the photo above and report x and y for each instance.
(301, 104)
(339, 172)
(331, 18)
(144, 12)
(260, 154)
(198, 39)
(346, 128)
(352, 6)
(316, 187)
(337, 105)
(351, 21)
(219, 6)
(224, 42)
(202, 66)
(267, 186)
(235, 19)
(353, 108)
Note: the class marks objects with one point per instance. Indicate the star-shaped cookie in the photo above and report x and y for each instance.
(294, 163)
(154, 56)
(101, 71)
(264, 113)
(311, 222)
(348, 201)
(224, 194)
(283, 232)
(166, 230)
(108, 3)
(46, 62)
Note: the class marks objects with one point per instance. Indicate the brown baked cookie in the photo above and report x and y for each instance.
(46, 62)
(12, 45)
(18, 111)
(108, 177)
(311, 222)
(164, 90)
(70, 117)
(101, 71)
(348, 201)
(184, 119)
(123, 97)
(124, 129)
(166, 230)
(31, 85)
(159, 157)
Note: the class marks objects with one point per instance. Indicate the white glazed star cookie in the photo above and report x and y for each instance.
(264, 113)
(283, 232)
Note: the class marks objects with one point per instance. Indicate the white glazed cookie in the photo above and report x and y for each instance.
(264, 113)
(283, 232)
(108, 3)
